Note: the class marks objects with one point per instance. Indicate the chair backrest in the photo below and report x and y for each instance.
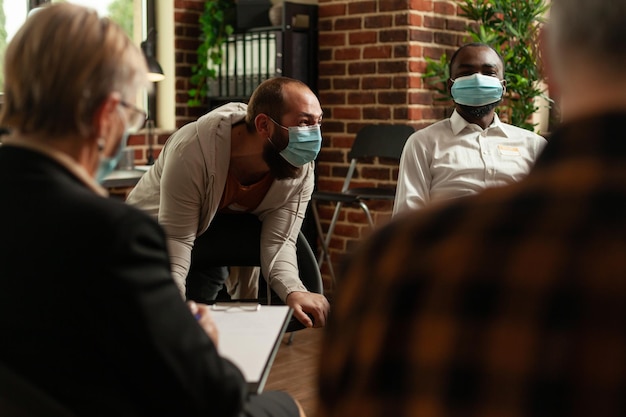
(383, 141)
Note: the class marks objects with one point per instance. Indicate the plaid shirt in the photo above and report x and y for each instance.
(508, 303)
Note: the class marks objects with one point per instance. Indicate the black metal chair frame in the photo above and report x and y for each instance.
(382, 141)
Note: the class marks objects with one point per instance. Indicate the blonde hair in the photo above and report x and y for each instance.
(61, 65)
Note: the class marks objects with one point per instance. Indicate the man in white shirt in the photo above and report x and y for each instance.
(472, 150)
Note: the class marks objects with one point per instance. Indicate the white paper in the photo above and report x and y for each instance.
(249, 338)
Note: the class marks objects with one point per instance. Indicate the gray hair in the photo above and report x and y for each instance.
(60, 66)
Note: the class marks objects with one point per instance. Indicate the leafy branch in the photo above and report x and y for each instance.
(215, 27)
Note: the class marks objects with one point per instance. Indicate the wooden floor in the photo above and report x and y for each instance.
(295, 368)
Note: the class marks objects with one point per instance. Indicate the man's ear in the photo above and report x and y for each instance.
(262, 123)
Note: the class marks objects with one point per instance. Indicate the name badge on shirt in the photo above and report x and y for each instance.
(508, 150)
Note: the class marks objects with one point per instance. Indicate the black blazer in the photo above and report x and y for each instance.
(89, 311)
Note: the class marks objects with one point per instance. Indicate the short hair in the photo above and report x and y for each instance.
(268, 99)
(594, 28)
(60, 66)
(474, 45)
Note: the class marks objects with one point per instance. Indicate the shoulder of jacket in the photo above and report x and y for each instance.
(228, 114)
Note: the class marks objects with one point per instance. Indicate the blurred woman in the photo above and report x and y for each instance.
(89, 312)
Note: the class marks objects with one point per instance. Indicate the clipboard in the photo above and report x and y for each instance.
(249, 336)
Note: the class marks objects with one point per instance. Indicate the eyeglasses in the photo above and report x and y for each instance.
(137, 116)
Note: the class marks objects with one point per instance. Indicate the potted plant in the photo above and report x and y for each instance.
(217, 22)
(511, 27)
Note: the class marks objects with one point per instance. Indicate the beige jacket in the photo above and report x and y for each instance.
(184, 187)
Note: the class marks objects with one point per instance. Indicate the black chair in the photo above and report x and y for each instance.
(381, 141)
(234, 240)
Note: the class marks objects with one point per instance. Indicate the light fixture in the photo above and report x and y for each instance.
(155, 72)
(150, 139)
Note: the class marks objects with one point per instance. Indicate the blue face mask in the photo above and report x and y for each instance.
(108, 163)
(476, 90)
(304, 144)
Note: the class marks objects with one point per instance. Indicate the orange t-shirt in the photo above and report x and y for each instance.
(239, 198)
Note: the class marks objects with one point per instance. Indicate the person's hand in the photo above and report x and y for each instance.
(309, 302)
(201, 312)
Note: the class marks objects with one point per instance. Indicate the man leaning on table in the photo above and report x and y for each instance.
(472, 150)
(253, 158)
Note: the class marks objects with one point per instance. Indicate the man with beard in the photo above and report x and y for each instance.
(472, 150)
(238, 158)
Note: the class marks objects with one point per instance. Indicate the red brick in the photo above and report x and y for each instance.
(362, 37)
(347, 54)
(361, 7)
(392, 67)
(416, 20)
(401, 113)
(377, 113)
(401, 19)
(420, 35)
(350, 83)
(393, 5)
(361, 98)
(448, 8)
(446, 38)
(458, 25)
(332, 39)
(392, 97)
(421, 5)
(327, 69)
(414, 81)
(353, 23)
(377, 51)
(376, 82)
(362, 68)
(331, 10)
(377, 21)
(420, 98)
(401, 51)
(398, 35)
(347, 113)
(435, 22)
(400, 82)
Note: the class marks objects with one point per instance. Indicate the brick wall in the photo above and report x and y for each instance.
(371, 62)
(371, 57)
(187, 32)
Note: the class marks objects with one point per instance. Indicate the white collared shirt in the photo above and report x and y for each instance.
(453, 158)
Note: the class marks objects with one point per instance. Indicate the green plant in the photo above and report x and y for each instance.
(512, 28)
(216, 24)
